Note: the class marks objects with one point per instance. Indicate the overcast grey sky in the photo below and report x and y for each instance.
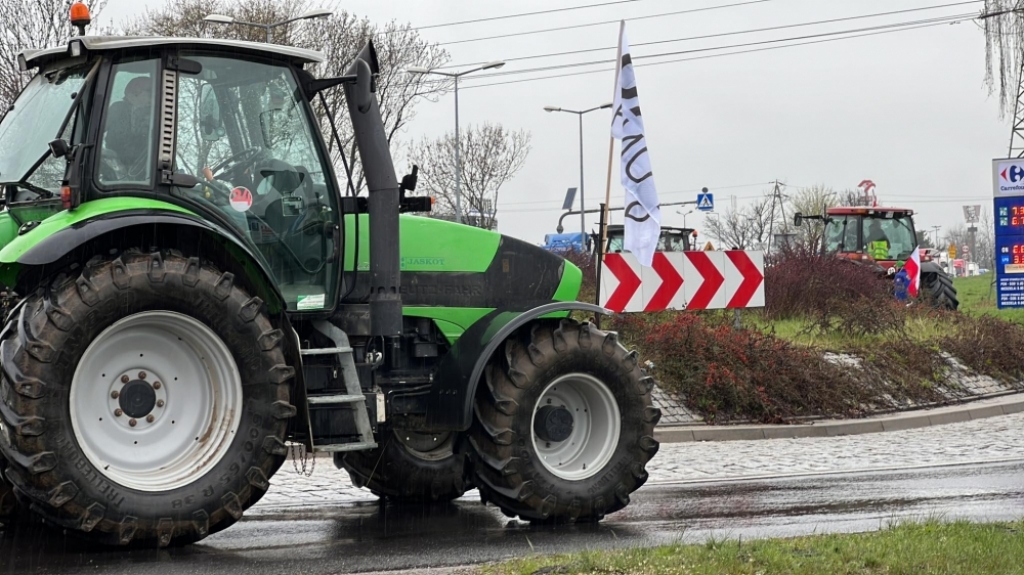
(908, 110)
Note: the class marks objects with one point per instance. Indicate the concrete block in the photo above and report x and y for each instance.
(673, 434)
(792, 431)
(725, 433)
(986, 411)
(949, 417)
(855, 428)
(1013, 407)
(906, 422)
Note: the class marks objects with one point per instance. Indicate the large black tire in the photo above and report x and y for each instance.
(404, 472)
(938, 290)
(40, 349)
(503, 445)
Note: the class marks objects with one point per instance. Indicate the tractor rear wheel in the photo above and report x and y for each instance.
(564, 425)
(939, 291)
(408, 467)
(144, 400)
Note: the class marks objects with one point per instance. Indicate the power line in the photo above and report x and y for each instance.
(523, 14)
(606, 22)
(935, 20)
(709, 56)
(723, 34)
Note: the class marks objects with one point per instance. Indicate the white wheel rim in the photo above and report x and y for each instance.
(194, 387)
(597, 426)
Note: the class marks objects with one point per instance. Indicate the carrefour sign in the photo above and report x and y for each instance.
(1007, 178)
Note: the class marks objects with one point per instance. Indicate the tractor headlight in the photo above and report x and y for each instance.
(75, 47)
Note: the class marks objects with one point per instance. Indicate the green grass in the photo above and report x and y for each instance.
(978, 297)
(800, 331)
(933, 547)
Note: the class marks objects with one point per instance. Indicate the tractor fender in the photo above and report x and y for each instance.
(51, 248)
(450, 399)
(931, 268)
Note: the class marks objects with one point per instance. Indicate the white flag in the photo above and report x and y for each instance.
(643, 216)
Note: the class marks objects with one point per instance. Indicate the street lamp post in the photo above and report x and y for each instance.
(458, 143)
(222, 19)
(579, 114)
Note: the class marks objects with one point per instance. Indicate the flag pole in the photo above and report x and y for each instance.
(611, 156)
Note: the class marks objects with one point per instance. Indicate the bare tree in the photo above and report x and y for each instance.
(744, 228)
(338, 37)
(31, 24)
(490, 156)
(812, 201)
(1004, 39)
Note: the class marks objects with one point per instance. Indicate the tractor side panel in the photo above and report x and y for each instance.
(457, 274)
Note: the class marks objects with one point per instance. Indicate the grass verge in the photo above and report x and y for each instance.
(978, 297)
(932, 547)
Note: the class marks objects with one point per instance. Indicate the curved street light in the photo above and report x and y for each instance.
(307, 15)
(456, 75)
(580, 113)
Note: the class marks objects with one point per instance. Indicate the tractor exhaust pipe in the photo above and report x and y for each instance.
(383, 201)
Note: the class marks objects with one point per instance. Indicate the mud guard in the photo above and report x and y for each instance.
(450, 400)
(55, 246)
(931, 267)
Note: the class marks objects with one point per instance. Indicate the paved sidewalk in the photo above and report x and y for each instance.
(992, 438)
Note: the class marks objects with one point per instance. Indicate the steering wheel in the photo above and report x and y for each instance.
(246, 156)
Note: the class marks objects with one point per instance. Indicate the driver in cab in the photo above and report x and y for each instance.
(877, 242)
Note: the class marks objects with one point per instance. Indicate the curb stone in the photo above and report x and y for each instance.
(981, 409)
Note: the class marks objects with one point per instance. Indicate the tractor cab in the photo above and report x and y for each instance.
(882, 235)
(221, 129)
(671, 239)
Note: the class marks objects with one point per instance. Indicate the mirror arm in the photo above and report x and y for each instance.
(313, 87)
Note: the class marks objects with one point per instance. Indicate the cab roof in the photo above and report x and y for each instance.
(37, 58)
(868, 210)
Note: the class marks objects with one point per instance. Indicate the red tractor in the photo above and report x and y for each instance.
(885, 238)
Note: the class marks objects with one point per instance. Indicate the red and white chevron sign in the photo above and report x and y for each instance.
(683, 280)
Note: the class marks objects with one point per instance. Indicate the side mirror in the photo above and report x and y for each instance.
(798, 219)
(364, 86)
(59, 148)
(210, 127)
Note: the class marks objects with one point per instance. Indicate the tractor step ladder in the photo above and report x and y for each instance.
(353, 395)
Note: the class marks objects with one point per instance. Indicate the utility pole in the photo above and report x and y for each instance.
(936, 229)
(776, 197)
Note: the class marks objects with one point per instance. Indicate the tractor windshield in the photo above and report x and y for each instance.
(883, 238)
(245, 132)
(38, 116)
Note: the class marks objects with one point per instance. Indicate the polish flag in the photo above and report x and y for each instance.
(913, 269)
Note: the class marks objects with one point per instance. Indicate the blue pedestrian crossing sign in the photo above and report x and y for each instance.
(705, 201)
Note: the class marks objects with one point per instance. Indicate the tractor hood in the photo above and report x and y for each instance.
(446, 264)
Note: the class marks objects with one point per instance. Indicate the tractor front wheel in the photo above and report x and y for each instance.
(564, 425)
(408, 467)
(938, 290)
(144, 400)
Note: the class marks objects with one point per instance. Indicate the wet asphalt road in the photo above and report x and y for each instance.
(361, 537)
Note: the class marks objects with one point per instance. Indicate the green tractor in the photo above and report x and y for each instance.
(883, 238)
(190, 288)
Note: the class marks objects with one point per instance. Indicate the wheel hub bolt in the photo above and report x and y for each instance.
(115, 394)
(132, 422)
(142, 375)
(160, 403)
(150, 419)
(156, 384)
(118, 412)
(125, 379)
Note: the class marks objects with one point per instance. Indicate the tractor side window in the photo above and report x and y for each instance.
(245, 133)
(126, 155)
